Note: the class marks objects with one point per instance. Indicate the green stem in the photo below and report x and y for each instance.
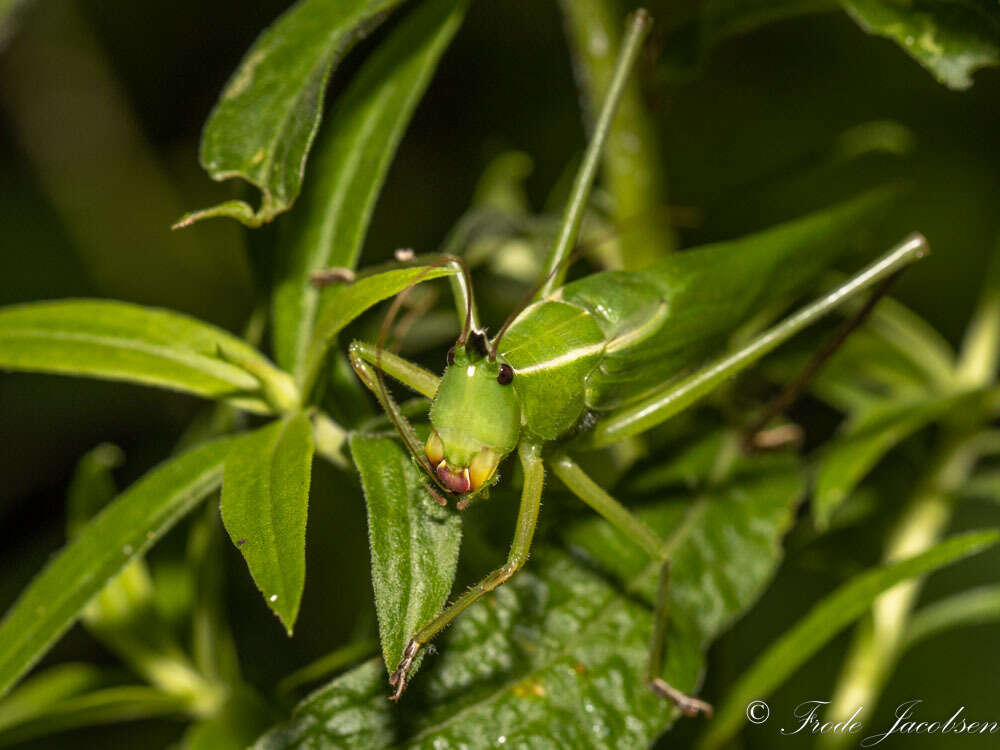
(632, 161)
(555, 267)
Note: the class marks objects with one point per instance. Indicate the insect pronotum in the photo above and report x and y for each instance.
(614, 347)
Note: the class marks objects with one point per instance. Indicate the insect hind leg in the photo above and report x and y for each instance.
(635, 530)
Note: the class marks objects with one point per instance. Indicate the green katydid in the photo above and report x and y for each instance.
(592, 362)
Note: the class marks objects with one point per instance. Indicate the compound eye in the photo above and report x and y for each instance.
(505, 375)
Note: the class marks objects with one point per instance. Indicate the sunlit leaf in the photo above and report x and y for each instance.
(120, 341)
(123, 531)
(265, 498)
(827, 618)
(356, 146)
(263, 126)
(557, 656)
(414, 542)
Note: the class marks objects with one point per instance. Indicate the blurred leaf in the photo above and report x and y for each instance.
(870, 434)
(984, 485)
(326, 665)
(123, 531)
(264, 123)
(973, 607)
(92, 485)
(557, 657)
(241, 720)
(357, 145)
(106, 706)
(951, 38)
(36, 695)
(119, 341)
(824, 621)
(686, 468)
(691, 42)
(265, 499)
(414, 542)
(344, 302)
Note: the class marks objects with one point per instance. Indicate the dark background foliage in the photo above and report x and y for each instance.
(101, 105)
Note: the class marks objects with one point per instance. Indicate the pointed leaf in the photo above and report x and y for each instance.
(123, 531)
(356, 146)
(950, 38)
(343, 303)
(265, 499)
(556, 658)
(824, 621)
(120, 341)
(264, 123)
(414, 542)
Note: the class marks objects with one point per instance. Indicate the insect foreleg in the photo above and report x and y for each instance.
(364, 357)
(677, 396)
(622, 519)
(527, 518)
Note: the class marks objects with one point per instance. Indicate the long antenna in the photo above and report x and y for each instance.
(636, 31)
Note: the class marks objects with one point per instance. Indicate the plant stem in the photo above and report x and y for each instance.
(632, 160)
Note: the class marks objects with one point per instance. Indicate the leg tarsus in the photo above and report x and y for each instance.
(689, 705)
(398, 679)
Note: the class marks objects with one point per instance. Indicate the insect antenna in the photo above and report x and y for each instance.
(527, 299)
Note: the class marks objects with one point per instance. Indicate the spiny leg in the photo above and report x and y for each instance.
(527, 518)
(636, 531)
(756, 437)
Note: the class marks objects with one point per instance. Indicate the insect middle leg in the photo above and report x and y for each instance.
(622, 519)
(527, 518)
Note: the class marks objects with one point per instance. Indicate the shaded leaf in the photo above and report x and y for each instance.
(123, 531)
(264, 123)
(120, 341)
(265, 499)
(950, 38)
(556, 658)
(36, 695)
(870, 434)
(343, 303)
(92, 485)
(414, 542)
(106, 706)
(827, 618)
(356, 146)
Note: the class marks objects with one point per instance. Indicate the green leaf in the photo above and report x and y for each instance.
(92, 485)
(344, 302)
(556, 658)
(973, 607)
(414, 542)
(951, 38)
(824, 621)
(106, 706)
(355, 149)
(265, 499)
(870, 434)
(264, 123)
(36, 695)
(123, 531)
(120, 341)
